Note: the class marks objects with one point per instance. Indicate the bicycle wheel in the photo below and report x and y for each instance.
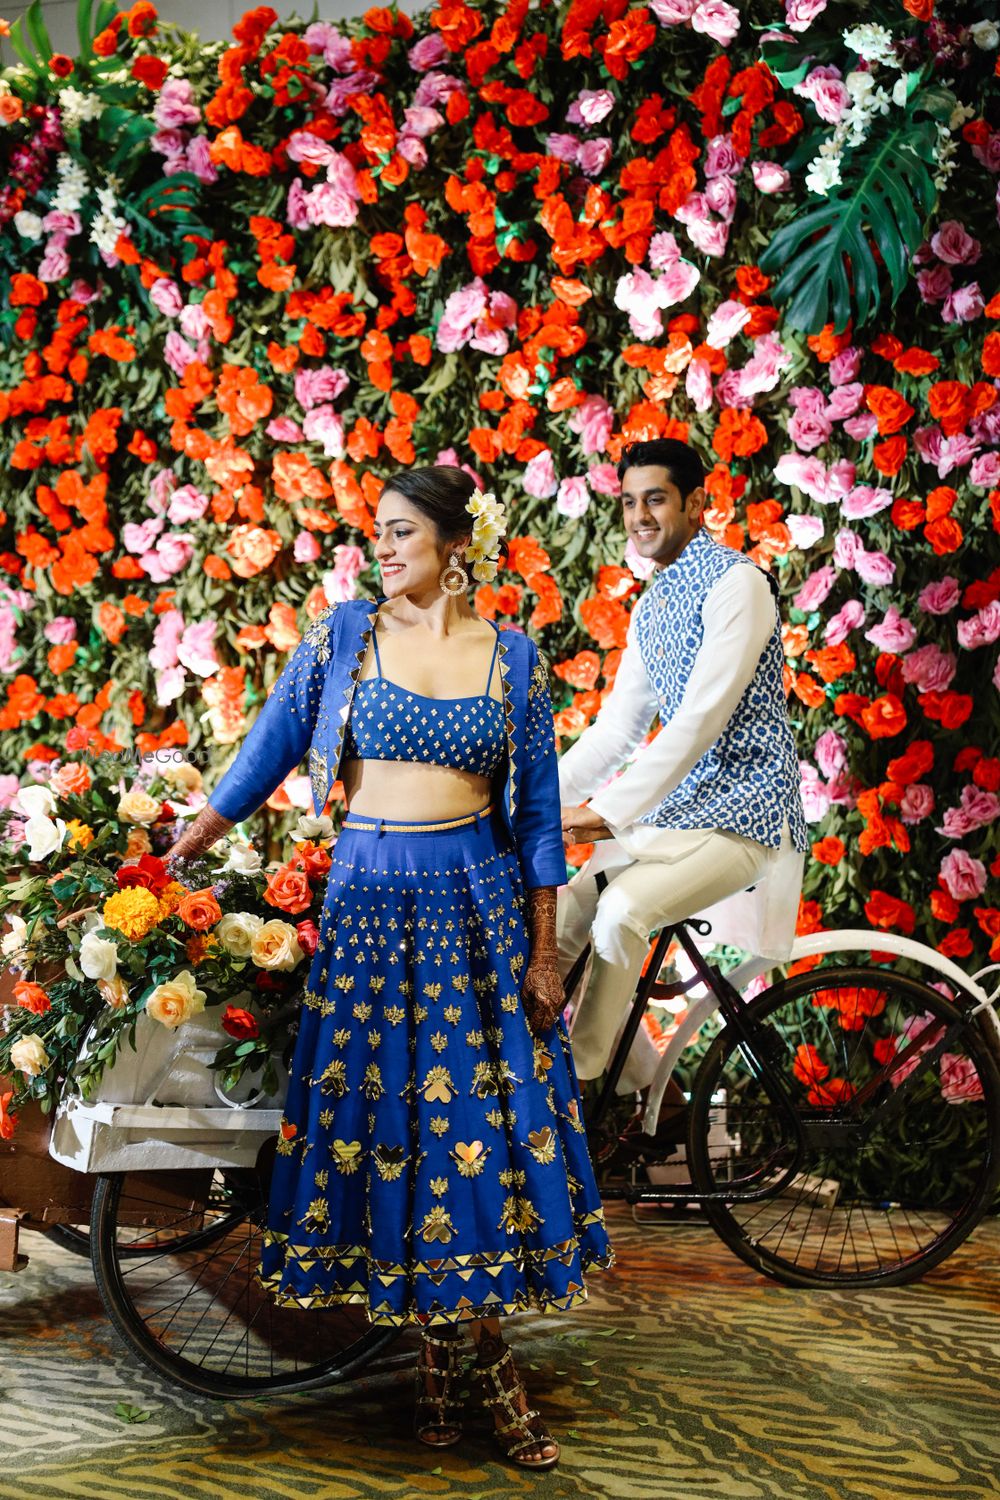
(899, 1139)
(174, 1256)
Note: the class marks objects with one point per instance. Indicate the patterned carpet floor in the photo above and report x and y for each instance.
(685, 1377)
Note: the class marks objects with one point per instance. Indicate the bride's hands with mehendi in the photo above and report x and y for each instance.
(542, 990)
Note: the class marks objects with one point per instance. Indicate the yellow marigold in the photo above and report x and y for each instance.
(134, 912)
(171, 897)
(200, 947)
(80, 834)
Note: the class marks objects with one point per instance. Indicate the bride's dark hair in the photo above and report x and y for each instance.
(441, 492)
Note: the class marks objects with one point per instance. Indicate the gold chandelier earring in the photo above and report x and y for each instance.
(454, 579)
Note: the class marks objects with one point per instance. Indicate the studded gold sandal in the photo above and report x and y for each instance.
(501, 1385)
(436, 1383)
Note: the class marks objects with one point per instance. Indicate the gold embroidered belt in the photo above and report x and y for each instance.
(385, 826)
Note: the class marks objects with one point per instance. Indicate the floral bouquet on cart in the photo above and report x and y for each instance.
(100, 939)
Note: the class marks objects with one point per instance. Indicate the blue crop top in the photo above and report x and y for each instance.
(388, 722)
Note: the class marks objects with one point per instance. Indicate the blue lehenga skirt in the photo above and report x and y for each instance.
(432, 1162)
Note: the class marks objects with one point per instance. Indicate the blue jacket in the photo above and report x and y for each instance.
(310, 704)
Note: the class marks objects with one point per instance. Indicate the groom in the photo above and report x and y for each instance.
(712, 805)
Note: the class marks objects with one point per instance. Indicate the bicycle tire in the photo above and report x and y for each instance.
(918, 1237)
(249, 1367)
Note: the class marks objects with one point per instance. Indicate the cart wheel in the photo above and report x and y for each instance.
(174, 1255)
(69, 1236)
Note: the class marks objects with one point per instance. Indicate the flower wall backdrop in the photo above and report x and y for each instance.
(241, 284)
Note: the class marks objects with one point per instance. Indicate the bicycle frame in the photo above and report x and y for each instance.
(729, 1002)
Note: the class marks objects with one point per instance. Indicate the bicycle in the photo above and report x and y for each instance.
(796, 1186)
(793, 1189)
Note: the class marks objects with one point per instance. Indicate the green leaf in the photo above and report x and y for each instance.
(24, 52)
(126, 1413)
(882, 205)
(38, 31)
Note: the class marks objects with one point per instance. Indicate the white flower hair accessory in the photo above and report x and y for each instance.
(489, 525)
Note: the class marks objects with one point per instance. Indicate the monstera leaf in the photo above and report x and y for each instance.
(829, 258)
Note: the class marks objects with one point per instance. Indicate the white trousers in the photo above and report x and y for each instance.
(690, 870)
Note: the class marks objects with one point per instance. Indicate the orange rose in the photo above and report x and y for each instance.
(7, 1120)
(199, 909)
(829, 851)
(885, 911)
(884, 717)
(71, 780)
(891, 410)
(253, 549)
(313, 860)
(288, 890)
(32, 997)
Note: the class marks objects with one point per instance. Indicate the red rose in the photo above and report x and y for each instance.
(883, 910)
(308, 936)
(149, 872)
(240, 1024)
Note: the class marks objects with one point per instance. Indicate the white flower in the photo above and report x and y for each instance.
(985, 34)
(859, 84)
(15, 938)
(243, 859)
(489, 526)
(236, 932)
(314, 829)
(901, 90)
(43, 837)
(98, 957)
(872, 42)
(823, 174)
(28, 225)
(36, 801)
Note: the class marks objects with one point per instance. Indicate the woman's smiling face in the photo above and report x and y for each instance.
(407, 549)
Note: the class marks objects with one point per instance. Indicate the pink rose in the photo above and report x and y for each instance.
(61, 630)
(166, 297)
(844, 367)
(930, 669)
(186, 504)
(175, 107)
(698, 384)
(461, 312)
(322, 425)
(721, 158)
(806, 530)
(800, 14)
(822, 86)
(716, 19)
(815, 589)
(845, 400)
(769, 177)
(815, 797)
(963, 305)
(720, 195)
(864, 501)
(831, 752)
(874, 568)
(594, 421)
(809, 430)
(594, 156)
(664, 251)
(604, 479)
(940, 598)
(806, 474)
(673, 12)
(846, 547)
(563, 147)
(593, 105)
(839, 626)
(573, 497)
(953, 244)
(982, 630)
(892, 633)
(725, 323)
(677, 282)
(315, 386)
(985, 471)
(539, 478)
(916, 803)
(976, 809)
(170, 556)
(862, 427)
(934, 284)
(960, 1079)
(427, 53)
(944, 453)
(962, 876)
(763, 369)
(710, 239)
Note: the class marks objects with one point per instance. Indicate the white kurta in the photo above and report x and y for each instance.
(738, 616)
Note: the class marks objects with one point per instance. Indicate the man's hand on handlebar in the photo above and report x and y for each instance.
(582, 825)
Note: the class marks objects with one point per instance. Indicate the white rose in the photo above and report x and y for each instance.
(244, 859)
(176, 1001)
(43, 837)
(29, 1056)
(15, 937)
(313, 829)
(36, 801)
(237, 930)
(98, 956)
(28, 225)
(985, 34)
(275, 945)
(182, 774)
(137, 806)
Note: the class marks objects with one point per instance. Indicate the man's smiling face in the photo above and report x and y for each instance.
(658, 518)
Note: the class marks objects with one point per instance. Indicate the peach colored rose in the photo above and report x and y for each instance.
(137, 806)
(114, 991)
(288, 890)
(29, 1056)
(199, 909)
(139, 843)
(71, 780)
(252, 549)
(276, 946)
(177, 1000)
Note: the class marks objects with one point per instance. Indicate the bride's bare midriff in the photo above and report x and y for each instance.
(410, 792)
